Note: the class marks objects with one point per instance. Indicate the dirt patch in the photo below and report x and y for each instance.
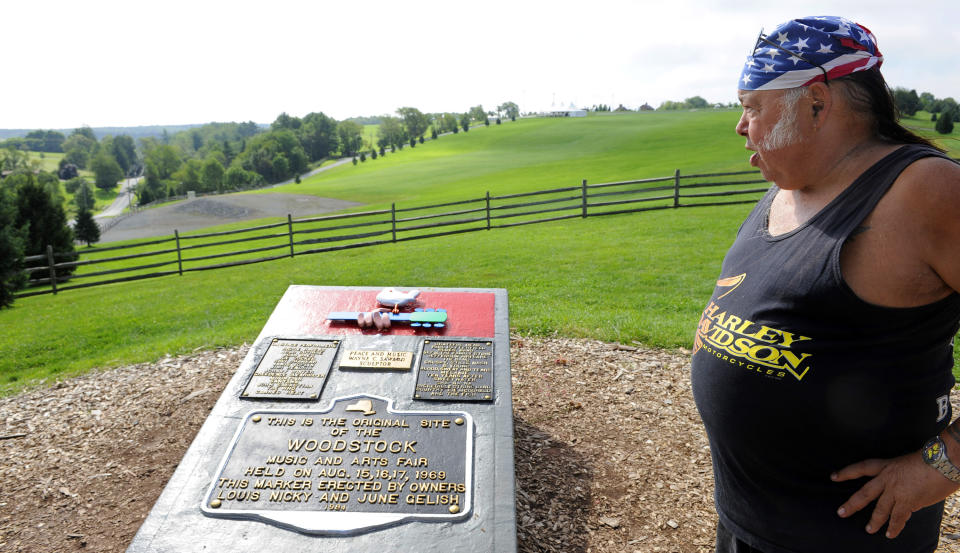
(203, 212)
(609, 450)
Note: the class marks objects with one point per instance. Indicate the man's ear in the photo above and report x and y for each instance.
(821, 100)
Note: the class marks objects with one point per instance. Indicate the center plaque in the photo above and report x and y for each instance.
(355, 466)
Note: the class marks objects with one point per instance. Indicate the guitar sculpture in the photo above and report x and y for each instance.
(383, 317)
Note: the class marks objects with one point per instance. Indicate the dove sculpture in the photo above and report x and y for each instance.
(392, 297)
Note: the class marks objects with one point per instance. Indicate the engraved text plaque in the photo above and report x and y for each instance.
(377, 359)
(355, 466)
(292, 369)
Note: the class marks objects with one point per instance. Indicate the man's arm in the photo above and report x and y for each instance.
(900, 486)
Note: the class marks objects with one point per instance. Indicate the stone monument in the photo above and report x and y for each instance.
(340, 436)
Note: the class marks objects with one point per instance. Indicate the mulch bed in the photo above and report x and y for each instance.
(609, 450)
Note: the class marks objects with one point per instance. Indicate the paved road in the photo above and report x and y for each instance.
(122, 200)
(199, 213)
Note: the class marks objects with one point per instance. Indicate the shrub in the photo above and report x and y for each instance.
(72, 185)
(67, 171)
(945, 123)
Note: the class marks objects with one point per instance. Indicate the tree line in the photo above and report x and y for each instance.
(229, 156)
(210, 158)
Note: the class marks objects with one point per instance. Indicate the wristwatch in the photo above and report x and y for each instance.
(935, 454)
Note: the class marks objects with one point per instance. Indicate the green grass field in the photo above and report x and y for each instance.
(534, 154)
(629, 277)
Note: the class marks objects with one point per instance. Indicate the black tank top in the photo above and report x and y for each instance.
(796, 377)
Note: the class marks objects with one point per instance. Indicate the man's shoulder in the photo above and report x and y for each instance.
(935, 163)
(927, 197)
(930, 184)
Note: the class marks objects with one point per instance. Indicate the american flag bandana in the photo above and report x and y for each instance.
(803, 51)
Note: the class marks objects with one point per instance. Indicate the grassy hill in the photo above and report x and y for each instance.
(640, 277)
(533, 154)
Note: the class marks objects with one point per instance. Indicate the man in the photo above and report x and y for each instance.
(822, 363)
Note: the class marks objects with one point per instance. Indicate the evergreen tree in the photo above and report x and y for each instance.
(12, 277)
(86, 228)
(84, 198)
(44, 223)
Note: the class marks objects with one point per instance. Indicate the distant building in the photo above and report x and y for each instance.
(564, 113)
(646, 107)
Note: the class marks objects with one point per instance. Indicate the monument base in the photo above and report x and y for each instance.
(335, 438)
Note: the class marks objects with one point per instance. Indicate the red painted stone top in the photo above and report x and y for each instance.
(303, 311)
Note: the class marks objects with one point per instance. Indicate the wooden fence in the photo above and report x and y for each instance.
(179, 254)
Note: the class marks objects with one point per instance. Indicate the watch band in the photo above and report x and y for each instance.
(935, 454)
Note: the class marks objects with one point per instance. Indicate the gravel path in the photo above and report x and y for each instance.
(208, 211)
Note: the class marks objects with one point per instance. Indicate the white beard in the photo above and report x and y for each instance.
(784, 133)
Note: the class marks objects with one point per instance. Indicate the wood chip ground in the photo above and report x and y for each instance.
(610, 453)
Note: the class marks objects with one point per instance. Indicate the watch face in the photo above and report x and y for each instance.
(933, 450)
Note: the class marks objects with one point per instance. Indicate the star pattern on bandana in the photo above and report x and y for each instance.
(804, 50)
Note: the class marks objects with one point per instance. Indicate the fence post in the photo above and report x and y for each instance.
(290, 227)
(488, 210)
(176, 235)
(676, 188)
(584, 184)
(393, 221)
(53, 270)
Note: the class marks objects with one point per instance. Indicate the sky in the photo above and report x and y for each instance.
(129, 63)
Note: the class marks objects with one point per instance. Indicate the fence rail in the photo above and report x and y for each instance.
(189, 253)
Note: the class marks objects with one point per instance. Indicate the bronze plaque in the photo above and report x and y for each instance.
(355, 466)
(376, 359)
(292, 369)
(453, 370)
